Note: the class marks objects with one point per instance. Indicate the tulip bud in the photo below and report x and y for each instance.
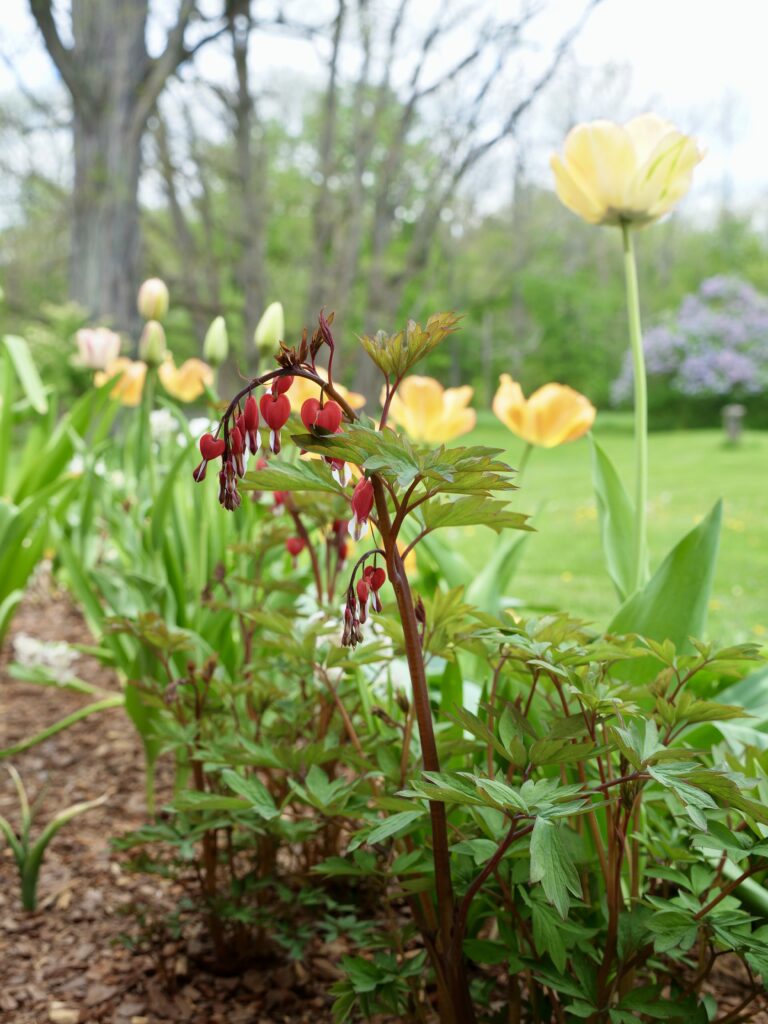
(152, 348)
(216, 344)
(153, 299)
(270, 330)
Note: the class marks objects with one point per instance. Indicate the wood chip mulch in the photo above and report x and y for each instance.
(69, 962)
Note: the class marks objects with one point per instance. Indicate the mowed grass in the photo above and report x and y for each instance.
(562, 565)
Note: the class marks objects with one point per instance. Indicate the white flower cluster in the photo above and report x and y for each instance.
(57, 657)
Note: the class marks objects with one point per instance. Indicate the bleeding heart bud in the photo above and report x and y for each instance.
(294, 546)
(281, 385)
(309, 412)
(211, 447)
(329, 418)
(236, 439)
(251, 413)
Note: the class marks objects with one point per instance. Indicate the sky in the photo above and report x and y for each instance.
(701, 63)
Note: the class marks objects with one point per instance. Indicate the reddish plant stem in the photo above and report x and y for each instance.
(455, 1002)
(302, 532)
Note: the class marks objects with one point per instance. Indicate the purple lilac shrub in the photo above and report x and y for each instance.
(716, 345)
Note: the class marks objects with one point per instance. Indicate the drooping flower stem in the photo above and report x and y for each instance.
(641, 405)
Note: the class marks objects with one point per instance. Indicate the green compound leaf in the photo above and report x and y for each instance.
(551, 864)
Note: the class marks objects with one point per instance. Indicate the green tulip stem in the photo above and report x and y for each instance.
(641, 406)
(524, 456)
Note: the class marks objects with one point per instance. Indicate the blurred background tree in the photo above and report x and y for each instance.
(389, 165)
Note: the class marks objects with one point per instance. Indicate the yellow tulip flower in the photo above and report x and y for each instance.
(631, 174)
(431, 413)
(302, 389)
(129, 377)
(551, 416)
(188, 381)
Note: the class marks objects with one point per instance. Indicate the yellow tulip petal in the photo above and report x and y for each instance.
(551, 416)
(609, 173)
(603, 155)
(573, 193)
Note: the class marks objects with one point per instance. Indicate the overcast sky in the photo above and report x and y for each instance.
(702, 63)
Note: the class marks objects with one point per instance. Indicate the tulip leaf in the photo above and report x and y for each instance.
(617, 521)
(304, 475)
(673, 604)
(26, 371)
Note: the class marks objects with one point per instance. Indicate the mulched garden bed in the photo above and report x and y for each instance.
(70, 963)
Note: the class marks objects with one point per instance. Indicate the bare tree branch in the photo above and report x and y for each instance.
(62, 56)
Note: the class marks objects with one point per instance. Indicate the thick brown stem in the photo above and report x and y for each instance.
(455, 1002)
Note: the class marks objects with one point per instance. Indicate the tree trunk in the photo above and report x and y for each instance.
(104, 267)
(114, 85)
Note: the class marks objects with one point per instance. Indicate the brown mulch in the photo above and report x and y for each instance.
(69, 962)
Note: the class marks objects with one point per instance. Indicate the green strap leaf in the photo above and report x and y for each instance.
(617, 521)
(673, 604)
(26, 371)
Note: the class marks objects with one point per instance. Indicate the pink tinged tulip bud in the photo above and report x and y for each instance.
(152, 346)
(362, 503)
(97, 347)
(275, 412)
(153, 299)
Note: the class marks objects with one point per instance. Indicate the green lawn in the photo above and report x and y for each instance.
(563, 565)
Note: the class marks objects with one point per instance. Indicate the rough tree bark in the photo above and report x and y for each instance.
(114, 85)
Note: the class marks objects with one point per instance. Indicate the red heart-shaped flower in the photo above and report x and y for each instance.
(211, 447)
(377, 578)
(329, 418)
(309, 411)
(275, 411)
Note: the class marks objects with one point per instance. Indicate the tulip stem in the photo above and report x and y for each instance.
(523, 462)
(641, 405)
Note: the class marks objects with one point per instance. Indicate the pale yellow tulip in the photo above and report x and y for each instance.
(551, 416)
(429, 412)
(631, 174)
(129, 375)
(302, 389)
(187, 382)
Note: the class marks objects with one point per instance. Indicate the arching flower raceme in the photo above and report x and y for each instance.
(97, 347)
(129, 376)
(304, 389)
(632, 173)
(551, 416)
(187, 382)
(431, 413)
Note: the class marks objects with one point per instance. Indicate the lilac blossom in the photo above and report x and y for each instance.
(716, 345)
